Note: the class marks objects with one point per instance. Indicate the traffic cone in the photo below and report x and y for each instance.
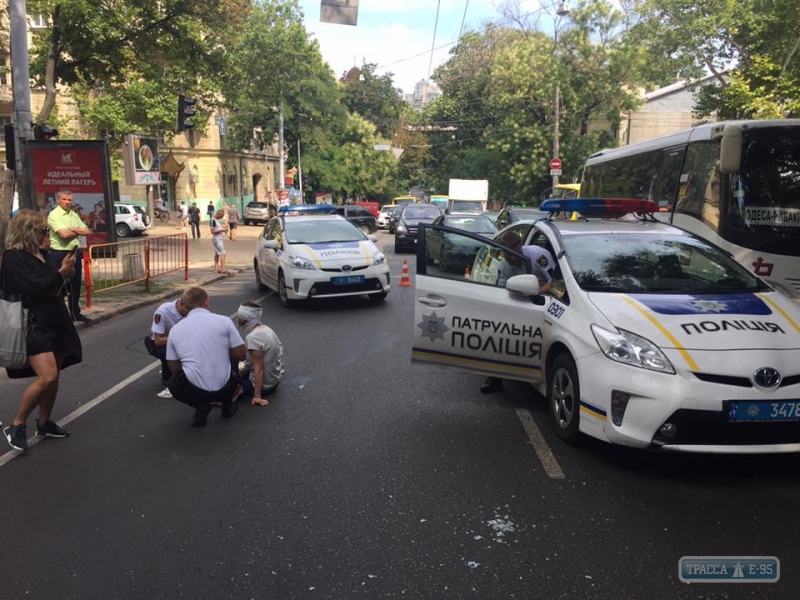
(404, 280)
(467, 273)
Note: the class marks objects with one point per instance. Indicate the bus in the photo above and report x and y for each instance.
(440, 200)
(734, 183)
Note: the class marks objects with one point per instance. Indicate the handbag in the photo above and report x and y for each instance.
(13, 331)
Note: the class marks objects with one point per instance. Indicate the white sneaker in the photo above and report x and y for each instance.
(165, 393)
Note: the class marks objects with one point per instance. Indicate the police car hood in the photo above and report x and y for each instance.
(334, 255)
(706, 322)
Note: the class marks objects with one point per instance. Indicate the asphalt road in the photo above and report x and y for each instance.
(366, 477)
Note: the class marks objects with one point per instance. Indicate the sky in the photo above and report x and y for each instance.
(397, 35)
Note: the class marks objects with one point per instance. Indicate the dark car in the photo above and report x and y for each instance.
(454, 252)
(256, 212)
(359, 216)
(512, 214)
(393, 216)
(411, 215)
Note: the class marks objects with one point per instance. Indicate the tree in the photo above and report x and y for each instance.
(375, 98)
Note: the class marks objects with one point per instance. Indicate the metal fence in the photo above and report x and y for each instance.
(109, 266)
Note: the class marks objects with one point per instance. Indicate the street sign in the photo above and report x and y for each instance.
(555, 164)
(384, 147)
(555, 171)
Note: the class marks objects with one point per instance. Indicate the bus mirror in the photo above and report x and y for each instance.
(730, 150)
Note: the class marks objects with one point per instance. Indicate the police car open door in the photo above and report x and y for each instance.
(464, 317)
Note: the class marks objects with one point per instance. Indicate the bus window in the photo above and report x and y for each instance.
(665, 187)
(698, 192)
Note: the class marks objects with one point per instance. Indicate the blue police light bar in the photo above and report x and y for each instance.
(599, 207)
(309, 209)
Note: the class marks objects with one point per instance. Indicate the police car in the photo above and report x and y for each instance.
(315, 255)
(649, 336)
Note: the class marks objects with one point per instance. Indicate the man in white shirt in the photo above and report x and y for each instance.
(264, 368)
(201, 349)
(164, 319)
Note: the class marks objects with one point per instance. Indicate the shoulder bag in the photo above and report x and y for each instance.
(13, 329)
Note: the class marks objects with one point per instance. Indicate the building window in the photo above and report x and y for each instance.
(39, 21)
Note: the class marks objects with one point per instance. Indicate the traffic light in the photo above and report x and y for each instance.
(185, 111)
(296, 181)
(44, 132)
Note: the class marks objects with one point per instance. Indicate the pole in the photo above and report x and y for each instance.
(282, 166)
(299, 172)
(556, 132)
(21, 82)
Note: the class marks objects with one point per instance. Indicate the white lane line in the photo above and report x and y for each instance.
(539, 444)
(86, 407)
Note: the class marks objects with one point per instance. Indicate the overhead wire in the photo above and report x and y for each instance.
(433, 42)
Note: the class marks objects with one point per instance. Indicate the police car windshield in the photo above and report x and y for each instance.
(663, 264)
(309, 231)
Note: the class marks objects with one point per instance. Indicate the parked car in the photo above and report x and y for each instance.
(312, 255)
(128, 221)
(143, 213)
(384, 216)
(393, 216)
(359, 216)
(411, 215)
(512, 214)
(256, 212)
(454, 252)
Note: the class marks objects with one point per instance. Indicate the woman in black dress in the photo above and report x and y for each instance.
(53, 342)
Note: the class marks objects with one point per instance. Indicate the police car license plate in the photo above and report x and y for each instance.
(348, 280)
(742, 411)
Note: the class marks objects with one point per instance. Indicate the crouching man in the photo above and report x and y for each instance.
(200, 351)
(264, 368)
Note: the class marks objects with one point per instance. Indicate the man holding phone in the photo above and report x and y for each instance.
(66, 227)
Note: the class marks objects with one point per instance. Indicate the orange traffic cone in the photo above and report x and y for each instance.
(467, 273)
(404, 280)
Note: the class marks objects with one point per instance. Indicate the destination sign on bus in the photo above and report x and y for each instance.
(767, 215)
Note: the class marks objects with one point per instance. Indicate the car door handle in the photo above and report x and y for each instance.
(435, 301)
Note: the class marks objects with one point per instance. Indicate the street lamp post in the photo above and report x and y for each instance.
(562, 11)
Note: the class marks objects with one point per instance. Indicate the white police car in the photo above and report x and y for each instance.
(319, 256)
(651, 337)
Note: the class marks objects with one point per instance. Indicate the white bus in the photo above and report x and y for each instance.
(735, 183)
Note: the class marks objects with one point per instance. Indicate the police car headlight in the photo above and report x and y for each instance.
(379, 259)
(301, 262)
(630, 349)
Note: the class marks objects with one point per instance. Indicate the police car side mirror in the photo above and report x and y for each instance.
(527, 285)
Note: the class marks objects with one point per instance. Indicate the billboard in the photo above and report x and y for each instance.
(340, 12)
(141, 161)
(82, 167)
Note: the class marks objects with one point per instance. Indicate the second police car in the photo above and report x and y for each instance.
(319, 256)
(650, 337)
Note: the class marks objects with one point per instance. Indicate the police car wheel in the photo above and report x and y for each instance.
(285, 300)
(259, 284)
(563, 397)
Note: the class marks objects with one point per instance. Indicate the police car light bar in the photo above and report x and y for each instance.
(599, 207)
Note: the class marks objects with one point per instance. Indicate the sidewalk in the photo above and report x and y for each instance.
(106, 304)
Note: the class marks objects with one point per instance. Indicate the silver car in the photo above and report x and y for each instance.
(256, 212)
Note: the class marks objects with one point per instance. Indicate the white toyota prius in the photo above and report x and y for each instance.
(319, 256)
(649, 336)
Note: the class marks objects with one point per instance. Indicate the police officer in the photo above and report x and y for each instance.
(164, 319)
(200, 351)
(543, 266)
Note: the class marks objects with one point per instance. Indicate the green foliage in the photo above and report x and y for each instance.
(375, 98)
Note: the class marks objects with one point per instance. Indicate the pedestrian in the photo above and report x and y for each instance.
(201, 351)
(543, 266)
(167, 315)
(210, 210)
(264, 369)
(194, 220)
(184, 214)
(218, 230)
(53, 343)
(233, 221)
(66, 228)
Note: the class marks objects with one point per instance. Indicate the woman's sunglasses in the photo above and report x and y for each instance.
(44, 229)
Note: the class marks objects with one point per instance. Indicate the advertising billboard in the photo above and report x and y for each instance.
(141, 161)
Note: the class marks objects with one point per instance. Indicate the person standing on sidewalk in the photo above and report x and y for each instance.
(66, 228)
(184, 214)
(218, 229)
(233, 221)
(201, 351)
(210, 210)
(194, 220)
(52, 342)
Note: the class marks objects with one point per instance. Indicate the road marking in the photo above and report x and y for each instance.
(8, 456)
(539, 444)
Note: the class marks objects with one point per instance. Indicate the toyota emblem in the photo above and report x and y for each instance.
(347, 268)
(766, 377)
